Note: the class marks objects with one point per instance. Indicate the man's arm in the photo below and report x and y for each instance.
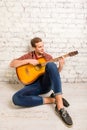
(16, 63)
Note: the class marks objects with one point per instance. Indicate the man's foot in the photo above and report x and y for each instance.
(64, 115)
(65, 102)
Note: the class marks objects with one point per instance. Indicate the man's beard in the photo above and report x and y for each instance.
(40, 54)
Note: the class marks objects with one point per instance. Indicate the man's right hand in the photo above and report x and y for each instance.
(33, 62)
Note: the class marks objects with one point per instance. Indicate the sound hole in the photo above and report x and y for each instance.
(38, 67)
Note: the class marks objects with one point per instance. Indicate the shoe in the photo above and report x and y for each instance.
(65, 102)
(64, 115)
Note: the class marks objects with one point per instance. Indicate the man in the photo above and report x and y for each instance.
(29, 95)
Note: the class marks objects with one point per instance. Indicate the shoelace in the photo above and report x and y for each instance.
(64, 113)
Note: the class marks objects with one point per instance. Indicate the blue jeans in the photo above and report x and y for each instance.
(29, 95)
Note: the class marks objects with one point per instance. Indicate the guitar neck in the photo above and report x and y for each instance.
(73, 53)
(55, 59)
(58, 58)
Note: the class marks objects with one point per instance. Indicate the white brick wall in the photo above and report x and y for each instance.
(62, 24)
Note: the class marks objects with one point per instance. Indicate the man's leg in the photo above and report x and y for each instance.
(53, 74)
(28, 96)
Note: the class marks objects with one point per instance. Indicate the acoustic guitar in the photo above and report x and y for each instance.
(28, 73)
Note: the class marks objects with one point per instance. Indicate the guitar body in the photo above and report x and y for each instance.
(29, 73)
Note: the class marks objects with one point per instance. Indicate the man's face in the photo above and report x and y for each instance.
(39, 48)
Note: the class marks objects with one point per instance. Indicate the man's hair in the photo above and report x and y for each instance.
(35, 40)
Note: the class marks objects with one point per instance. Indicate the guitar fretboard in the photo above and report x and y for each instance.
(58, 58)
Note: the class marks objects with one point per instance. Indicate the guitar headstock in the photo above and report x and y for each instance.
(73, 53)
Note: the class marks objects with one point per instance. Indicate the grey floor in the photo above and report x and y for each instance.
(43, 117)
